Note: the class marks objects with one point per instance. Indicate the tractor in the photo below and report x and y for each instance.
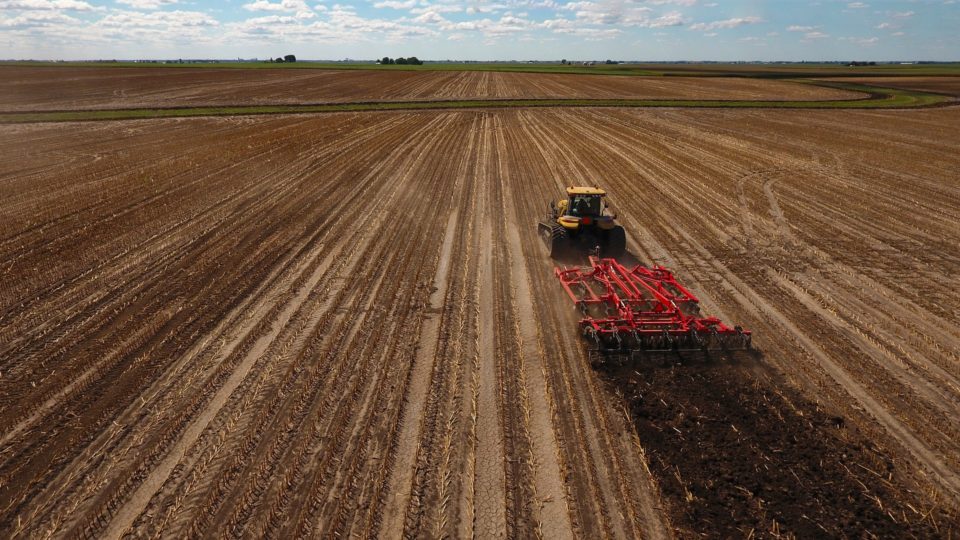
(580, 224)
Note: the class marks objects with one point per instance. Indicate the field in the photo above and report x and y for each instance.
(346, 323)
(942, 85)
(72, 88)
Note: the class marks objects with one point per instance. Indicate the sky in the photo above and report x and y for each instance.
(651, 30)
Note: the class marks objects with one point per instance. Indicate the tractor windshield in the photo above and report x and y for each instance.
(585, 205)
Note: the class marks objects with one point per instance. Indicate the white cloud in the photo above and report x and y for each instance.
(815, 35)
(591, 34)
(558, 24)
(669, 19)
(431, 17)
(35, 19)
(487, 7)
(438, 8)
(45, 5)
(158, 19)
(396, 4)
(283, 5)
(797, 28)
(622, 13)
(147, 4)
(727, 23)
(898, 34)
(857, 5)
(904, 14)
(866, 42)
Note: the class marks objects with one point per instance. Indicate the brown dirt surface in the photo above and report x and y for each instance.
(739, 454)
(72, 88)
(287, 325)
(940, 85)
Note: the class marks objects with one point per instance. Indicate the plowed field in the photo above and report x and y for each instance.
(941, 85)
(66, 88)
(346, 324)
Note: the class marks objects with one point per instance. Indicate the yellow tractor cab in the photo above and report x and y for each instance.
(580, 223)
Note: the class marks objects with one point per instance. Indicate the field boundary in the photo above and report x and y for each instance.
(875, 98)
(787, 71)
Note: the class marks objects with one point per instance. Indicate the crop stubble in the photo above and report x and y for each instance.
(69, 88)
(941, 85)
(286, 325)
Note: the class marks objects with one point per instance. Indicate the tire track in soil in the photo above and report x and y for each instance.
(627, 460)
(436, 162)
(550, 510)
(490, 519)
(410, 427)
(437, 506)
(614, 454)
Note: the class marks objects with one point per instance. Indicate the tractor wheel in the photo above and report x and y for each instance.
(559, 242)
(616, 243)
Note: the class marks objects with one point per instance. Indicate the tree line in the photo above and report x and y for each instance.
(412, 61)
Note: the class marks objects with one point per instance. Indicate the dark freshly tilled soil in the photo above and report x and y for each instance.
(738, 454)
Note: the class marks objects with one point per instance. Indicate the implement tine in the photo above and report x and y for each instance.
(641, 309)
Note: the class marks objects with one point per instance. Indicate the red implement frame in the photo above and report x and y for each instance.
(643, 309)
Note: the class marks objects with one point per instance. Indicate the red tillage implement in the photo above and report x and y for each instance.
(643, 309)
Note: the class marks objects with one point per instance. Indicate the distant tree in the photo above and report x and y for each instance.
(278, 60)
(386, 60)
(401, 61)
(289, 58)
(612, 62)
(414, 61)
(564, 61)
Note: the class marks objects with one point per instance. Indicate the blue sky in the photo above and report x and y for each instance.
(482, 29)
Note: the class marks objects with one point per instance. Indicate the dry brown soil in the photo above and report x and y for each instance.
(70, 88)
(940, 85)
(281, 326)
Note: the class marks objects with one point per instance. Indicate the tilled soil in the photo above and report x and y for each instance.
(72, 88)
(942, 85)
(347, 325)
(739, 453)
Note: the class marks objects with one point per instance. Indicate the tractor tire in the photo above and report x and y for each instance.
(559, 242)
(616, 242)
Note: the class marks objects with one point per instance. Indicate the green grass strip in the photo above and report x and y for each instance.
(876, 98)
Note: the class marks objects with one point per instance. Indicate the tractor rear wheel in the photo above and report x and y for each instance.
(616, 242)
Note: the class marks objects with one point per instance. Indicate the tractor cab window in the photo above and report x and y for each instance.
(584, 205)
